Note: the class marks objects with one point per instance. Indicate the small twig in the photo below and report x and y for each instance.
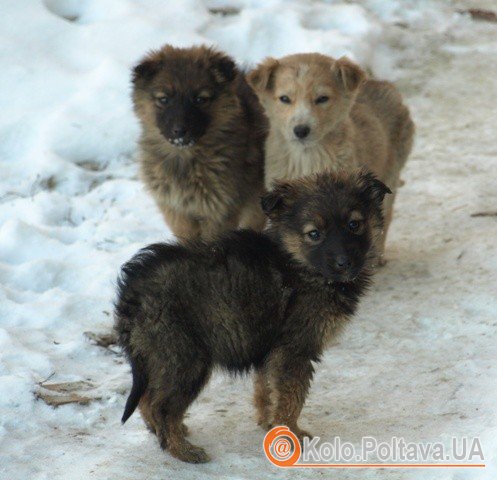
(480, 14)
(485, 214)
(224, 11)
(104, 340)
(46, 379)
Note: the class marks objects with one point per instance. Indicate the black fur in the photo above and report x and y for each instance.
(138, 388)
(247, 301)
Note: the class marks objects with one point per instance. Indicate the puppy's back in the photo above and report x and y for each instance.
(220, 297)
(243, 261)
(386, 102)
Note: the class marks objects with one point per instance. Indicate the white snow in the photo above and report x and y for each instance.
(420, 359)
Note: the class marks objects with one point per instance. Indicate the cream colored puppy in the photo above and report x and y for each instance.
(325, 115)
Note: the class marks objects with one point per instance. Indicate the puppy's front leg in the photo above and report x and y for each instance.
(213, 228)
(252, 216)
(184, 227)
(292, 377)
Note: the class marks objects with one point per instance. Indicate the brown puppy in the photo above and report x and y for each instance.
(268, 301)
(324, 114)
(202, 141)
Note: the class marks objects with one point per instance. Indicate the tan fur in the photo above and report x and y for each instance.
(279, 398)
(213, 186)
(146, 412)
(364, 122)
(262, 399)
(293, 243)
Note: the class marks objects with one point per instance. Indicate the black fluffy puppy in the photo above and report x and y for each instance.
(264, 301)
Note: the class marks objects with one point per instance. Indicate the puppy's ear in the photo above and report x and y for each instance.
(348, 75)
(277, 199)
(261, 78)
(223, 68)
(374, 188)
(145, 70)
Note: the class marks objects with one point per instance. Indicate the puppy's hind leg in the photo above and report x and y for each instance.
(387, 214)
(388, 203)
(148, 418)
(169, 404)
(262, 398)
(146, 412)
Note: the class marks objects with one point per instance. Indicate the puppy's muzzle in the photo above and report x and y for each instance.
(179, 137)
(341, 269)
(342, 263)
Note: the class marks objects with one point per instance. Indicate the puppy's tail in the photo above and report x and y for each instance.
(137, 390)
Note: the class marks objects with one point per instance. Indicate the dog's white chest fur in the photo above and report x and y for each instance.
(287, 162)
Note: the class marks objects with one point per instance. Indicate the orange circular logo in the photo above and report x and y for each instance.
(282, 447)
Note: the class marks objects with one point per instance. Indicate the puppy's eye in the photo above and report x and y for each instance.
(161, 101)
(314, 235)
(285, 99)
(354, 225)
(200, 100)
(322, 99)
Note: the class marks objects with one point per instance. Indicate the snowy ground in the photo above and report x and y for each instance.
(420, 359)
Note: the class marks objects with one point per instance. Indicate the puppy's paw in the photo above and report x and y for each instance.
(186, 452)
(301, 434)
(381, 262)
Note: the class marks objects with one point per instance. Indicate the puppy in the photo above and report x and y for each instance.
(268, 301)
(324, 114)
(202, 141)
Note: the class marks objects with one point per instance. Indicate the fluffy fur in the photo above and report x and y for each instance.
(324, 114)
(268, 302)
(202, 141)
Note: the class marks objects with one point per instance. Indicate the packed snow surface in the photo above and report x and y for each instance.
(419, 361)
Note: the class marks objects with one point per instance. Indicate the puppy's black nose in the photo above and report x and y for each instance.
(179, 131)
(301, 131)
(342, 262)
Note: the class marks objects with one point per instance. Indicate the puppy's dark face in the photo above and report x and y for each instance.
(184, 91)
(328, 221)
